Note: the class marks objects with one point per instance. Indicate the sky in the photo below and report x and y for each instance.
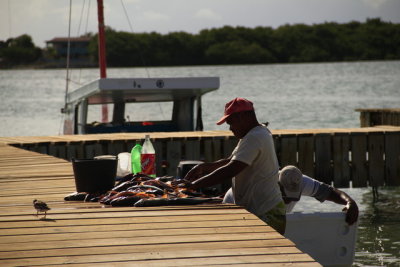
(45, 19)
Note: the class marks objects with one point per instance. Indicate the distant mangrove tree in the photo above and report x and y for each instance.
(373, 39)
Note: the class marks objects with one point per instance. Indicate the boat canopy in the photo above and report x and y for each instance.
(111, 90)
(182, 92)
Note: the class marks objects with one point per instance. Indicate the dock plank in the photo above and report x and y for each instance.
(176, 259)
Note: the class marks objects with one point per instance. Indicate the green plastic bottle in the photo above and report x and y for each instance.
(136, 165)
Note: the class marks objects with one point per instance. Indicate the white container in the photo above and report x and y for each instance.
(324, 236)
(124, 164)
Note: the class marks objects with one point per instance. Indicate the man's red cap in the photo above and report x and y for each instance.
(236, 105)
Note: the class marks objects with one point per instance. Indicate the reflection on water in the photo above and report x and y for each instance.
(378, 239)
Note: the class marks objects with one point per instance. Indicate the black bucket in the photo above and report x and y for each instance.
(185, 166)
(95, 175)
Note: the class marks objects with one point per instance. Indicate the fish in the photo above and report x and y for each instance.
(125, 185)
(157, 183)
(152, 202)
(140, 190)
(77, 196)
(106, 199)
(145, 188)
(165, 178)
(125, 201)
(140, 177)
(93, 197)
(191, 192)
(170, 201)
(127, 177)
(83, 196)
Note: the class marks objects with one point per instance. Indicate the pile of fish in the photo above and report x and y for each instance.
(140, 190)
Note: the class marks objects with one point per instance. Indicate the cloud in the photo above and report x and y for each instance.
(132, 1)
(375, 3)
(207, 14)
(155, 16)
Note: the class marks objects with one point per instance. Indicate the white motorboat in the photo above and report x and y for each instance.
(183, 93)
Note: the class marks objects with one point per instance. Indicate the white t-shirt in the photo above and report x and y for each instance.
(312, 188)
(256, 187)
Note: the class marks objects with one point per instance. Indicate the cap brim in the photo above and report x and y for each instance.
(293, 194)
(222, 120)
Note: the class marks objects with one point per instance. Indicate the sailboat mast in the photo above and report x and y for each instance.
(102, 44)
(102, 54)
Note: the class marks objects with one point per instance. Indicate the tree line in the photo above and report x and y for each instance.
(18, 51)
(373, 39)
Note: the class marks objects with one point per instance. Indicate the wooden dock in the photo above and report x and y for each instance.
(379, 116)
(358, 157)
(88, 234)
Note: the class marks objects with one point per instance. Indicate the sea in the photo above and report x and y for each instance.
(288, 96)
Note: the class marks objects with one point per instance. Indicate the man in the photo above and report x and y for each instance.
(253, 166)
(294, 184)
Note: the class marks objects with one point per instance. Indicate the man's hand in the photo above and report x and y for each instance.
(182, 183)
(351, 207)
(195, 173)
(351, 210)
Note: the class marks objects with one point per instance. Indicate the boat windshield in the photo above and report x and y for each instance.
(134, 112)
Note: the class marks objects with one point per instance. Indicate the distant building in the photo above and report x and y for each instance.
(79, 49)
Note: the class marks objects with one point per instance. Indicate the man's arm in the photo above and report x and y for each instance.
(204, 168)
(351, 207)
(322, 192)
(226, 171)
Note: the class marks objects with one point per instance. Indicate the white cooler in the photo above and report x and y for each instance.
(324, 236)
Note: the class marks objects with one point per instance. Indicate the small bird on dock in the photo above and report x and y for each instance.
(40, 206)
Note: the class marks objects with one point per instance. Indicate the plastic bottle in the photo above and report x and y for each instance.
(136, 165)
(148, 157)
